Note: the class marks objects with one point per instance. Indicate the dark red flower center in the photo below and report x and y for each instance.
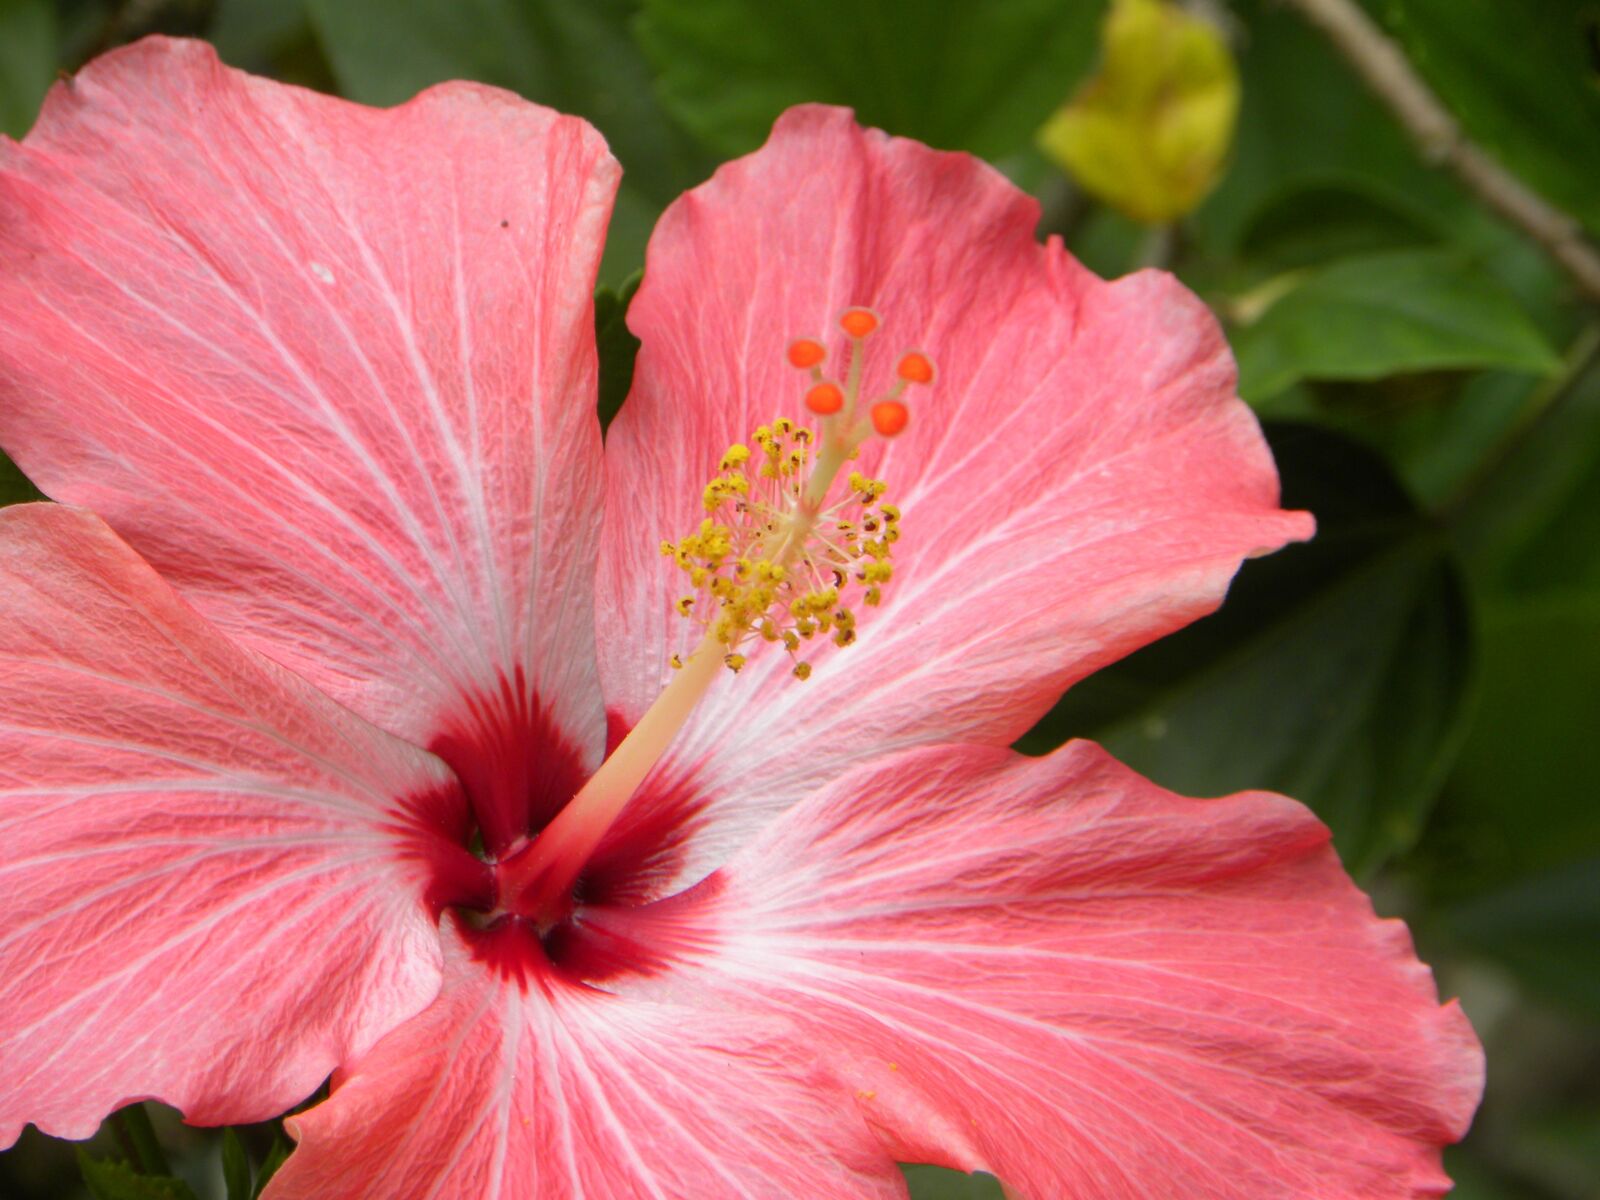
(514, 772)
(550, 868)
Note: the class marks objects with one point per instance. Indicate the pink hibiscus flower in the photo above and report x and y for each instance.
(293, 724)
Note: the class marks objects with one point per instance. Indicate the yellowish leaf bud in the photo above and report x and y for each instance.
(1149, 133)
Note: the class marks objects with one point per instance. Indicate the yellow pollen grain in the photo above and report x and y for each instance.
(780, 555)
(774, 561)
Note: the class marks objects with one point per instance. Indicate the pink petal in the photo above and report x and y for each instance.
(1056, 971)
(330, 369)
(1079, 480)
(203, 895)
(564, 1092)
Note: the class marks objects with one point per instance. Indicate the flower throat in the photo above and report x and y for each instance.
(771, 563)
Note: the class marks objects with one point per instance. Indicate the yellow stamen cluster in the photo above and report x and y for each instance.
(769, 560)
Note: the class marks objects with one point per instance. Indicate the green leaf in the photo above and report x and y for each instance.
(1545, 930)
(1565, 554)
(15, 487)
(547, 50)
(1519, 522)
(616, 345)
(1307, 119)
(27, 61)
(1384, 314)
(249, 33)
(110, 1180)
(1524, 82)
(936, 1183)
(1435, 429)
(1565, 1140)
(1336, 672)
(137, 1133)
(1475, 1179)
(1527, 521)
(979, 77)
(1516, 805)
(235, 1167)
(1310, 224)
(276, 1157)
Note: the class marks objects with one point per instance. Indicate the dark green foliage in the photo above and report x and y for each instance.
(108, 1179)
(15, 488)
(1523, 79)
(616, 346)
(27, 60)
(936, 1183)
(1371, 316)
(235, 1167)
(276, 1157)
(978, 77)
(1324, 222)
(1337, 672)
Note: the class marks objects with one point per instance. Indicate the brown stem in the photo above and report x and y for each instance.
(1437, 134)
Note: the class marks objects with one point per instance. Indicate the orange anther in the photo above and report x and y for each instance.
(825, 399)
(915, 368)
(858, 322)
(805, 352)
(890, 417)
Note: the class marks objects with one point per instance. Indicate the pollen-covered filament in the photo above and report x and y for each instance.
(774, 560)
(771, 562)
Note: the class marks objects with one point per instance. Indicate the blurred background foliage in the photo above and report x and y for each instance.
(1425, 674)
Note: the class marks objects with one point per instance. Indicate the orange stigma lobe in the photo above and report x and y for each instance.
(825, 399)
(915, 368)
(850, 412)
(858, 322)
(806, 352)
(890, 417)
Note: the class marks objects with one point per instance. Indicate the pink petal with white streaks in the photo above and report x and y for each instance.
(1080, 479)
(330, 369)
(1056, 971)
(205, 895)
(560, 1092)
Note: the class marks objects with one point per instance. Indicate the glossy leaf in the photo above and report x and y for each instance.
(1335, 672)
(1382, 314)
(979, 77)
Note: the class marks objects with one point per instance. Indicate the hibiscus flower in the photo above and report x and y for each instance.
(311, 674)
